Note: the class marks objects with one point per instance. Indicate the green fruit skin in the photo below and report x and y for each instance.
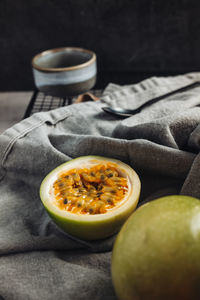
(92, 230)
(157, 252)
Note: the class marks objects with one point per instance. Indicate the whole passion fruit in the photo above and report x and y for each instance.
(90, 197)
(157, 252)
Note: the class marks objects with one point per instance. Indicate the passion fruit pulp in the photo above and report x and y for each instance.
(157, 253)
(90, 197)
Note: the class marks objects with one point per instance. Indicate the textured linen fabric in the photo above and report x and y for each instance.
(39, 261)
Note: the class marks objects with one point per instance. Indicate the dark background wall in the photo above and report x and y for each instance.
(133, 39)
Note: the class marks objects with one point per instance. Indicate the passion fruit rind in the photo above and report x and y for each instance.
(156, 253)
(98, 226)
(95, 230)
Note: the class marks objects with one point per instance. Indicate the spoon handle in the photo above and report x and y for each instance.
(183, 89)
(129, 112)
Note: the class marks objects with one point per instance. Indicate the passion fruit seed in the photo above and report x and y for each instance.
(65, 201)
(110, 175)
(91, 210)
(92, 190)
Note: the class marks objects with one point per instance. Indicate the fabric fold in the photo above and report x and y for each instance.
(161, 143)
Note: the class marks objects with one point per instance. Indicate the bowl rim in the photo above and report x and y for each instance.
(43, 53)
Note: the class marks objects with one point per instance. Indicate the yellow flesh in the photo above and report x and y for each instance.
(93, 190)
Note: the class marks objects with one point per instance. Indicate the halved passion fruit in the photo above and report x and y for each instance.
(90, 197)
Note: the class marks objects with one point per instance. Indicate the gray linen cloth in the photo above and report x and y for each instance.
(39, 261)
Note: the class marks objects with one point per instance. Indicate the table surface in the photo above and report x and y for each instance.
(15, 105)
(12, 107)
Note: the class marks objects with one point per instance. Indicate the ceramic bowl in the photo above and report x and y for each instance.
(64, 71)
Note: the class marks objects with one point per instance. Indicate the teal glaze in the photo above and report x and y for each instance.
(65, 71)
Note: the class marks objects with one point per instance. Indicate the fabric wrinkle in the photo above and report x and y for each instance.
(161, 143)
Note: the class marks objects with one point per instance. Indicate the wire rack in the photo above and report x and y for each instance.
(43, 102)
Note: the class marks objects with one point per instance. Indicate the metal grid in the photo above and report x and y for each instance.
(42, 102)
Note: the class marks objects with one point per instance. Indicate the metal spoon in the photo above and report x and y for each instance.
(118, 111)
(122, 112)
